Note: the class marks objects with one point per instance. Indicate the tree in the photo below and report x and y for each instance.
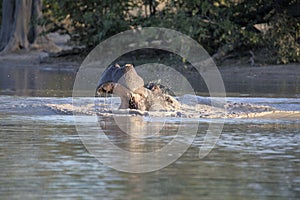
(19, 26)
(225, 28)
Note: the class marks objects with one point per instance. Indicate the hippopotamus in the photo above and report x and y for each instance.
(125, 82)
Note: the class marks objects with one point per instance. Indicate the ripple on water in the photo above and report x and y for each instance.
(42, 156)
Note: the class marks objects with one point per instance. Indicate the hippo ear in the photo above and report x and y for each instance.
(117, 65)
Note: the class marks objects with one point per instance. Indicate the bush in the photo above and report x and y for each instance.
(282, 40)
(88, 22)
(224, 26)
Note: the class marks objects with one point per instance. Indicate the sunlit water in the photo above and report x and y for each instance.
(42, 156)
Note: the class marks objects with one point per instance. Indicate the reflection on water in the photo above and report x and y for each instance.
(265, 88)
(43, 157)
(136, 134)
(58, 81)
(33, 81)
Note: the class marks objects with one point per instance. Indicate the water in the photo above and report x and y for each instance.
(43, 157)
(37, 81)
(47, 80)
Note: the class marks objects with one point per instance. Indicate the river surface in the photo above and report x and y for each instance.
(42, 155)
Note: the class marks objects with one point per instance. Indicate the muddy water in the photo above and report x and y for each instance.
(42, 156)
(37, 81)
(48, 80)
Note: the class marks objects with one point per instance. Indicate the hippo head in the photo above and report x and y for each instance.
(129, 86)
(124, 76)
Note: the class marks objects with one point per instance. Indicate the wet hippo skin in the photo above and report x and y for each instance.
(129, 86)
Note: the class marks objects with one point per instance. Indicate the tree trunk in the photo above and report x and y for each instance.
(19, 26)
(8, 8)
(36, 13)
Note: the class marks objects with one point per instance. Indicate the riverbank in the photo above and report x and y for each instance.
(240, 78)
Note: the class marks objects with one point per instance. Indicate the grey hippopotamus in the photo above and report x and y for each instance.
(130, 87)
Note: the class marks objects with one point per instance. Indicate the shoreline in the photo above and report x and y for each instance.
(239, 79)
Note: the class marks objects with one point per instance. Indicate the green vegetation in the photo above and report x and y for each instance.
(223, 27)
